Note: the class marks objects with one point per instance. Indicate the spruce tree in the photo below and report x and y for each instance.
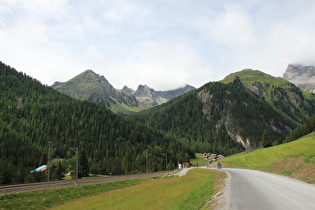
(265, 140)
(84, 168)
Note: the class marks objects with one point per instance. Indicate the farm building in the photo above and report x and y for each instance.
(186, 164)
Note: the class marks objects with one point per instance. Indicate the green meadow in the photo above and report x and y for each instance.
(199, 160)
(51, 197)
(191, 191)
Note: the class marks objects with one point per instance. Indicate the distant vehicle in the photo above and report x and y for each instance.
(219, 166)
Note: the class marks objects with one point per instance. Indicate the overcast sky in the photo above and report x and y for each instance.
(161, 43)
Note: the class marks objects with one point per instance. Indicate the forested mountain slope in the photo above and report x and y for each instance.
(31, 115)
(283, 96)
(217, 115)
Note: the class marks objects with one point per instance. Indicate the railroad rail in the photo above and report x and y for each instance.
(6, 189)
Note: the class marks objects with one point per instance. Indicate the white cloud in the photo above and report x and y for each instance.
(160, 43)
(122, 11)
(160, 65)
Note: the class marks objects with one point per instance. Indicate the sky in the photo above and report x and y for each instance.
(160, 43)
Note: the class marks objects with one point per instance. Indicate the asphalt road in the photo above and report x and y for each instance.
(255, 190)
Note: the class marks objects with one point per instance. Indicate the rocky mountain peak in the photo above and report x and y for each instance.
(89, 81)
(128, 90)
(92, 77)
(56, 84)
(174, 93)
(145, 91)
(91, 86)
(302, 76)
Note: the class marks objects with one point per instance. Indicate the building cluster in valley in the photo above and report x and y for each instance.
(212, 157)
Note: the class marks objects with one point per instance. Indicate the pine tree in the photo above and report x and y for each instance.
(84, 168)
(265, 140)
(60, 171)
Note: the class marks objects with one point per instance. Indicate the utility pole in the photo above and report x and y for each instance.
(75, 149)
(165, 160)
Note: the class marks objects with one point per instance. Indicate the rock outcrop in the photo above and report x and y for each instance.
(301, 76)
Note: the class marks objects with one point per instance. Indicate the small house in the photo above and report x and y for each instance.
(186, 165)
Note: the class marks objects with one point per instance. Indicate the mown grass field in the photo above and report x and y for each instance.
(48, 198)
(191, 191)
(295, 159)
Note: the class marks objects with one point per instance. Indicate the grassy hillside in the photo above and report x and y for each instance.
(248, 76)
(199, 160)
(295, 159)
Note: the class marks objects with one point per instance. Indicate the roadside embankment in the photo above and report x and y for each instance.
(295, 159)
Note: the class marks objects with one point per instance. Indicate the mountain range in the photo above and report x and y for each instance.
(93, 87)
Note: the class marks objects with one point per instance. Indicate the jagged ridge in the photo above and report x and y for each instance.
(93, 87)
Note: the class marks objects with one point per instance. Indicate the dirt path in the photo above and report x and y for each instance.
(182, 172)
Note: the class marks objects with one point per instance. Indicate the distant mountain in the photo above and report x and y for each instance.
(301, 76)
(56, 84)
(128, 90)
(93, 87)
(238, 109)
(174, 93)
(148, 97)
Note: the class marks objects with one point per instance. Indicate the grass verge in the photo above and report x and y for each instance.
(191, 191)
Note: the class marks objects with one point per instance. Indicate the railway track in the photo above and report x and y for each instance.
(6, 189)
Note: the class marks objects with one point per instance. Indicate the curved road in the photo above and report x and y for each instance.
(250, 189)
